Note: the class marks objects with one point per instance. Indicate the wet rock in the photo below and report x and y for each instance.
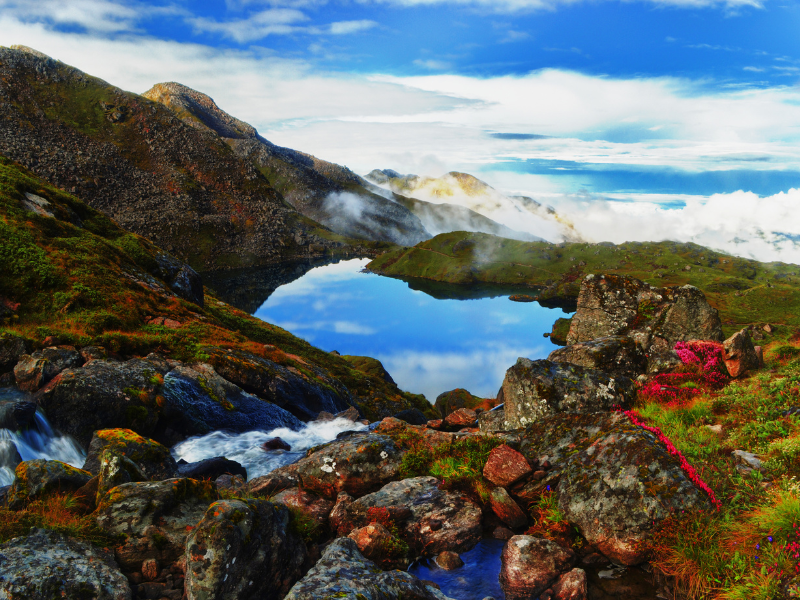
(35, 370)
(506, 466)
(243, 550)
(412, 416)
(617, 355)
(12, 347)
(502, 533)
(620, 487)
(530, 565)
(275, 443)
(535, 389)
(155, 517)
(655, 318)
(344, 572)
(377, 544)
(44, 565)
(492, 420)
(506, 509)
(430, 520)
(739, 354)
(180, 277)
(358, 464)
(154, 459)
(351, 414)
(16, 415)
(271, 484)
(314, 506)
(116, 469)
(234, 484)
(211, 468)
(571, 586)
(303, 397)
(449, 561)
(36, 478)
(462, 417)
(448, 402)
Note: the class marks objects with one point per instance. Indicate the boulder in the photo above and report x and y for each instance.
(617, 355)
(739, 354)
(449, 561)
(492, 420)
(16, 415)
(343, 572)
(339, 518)
(314, 506)
(506, 466)
(211, 468)
(530, 565)
(45, 564)
(506, 509)
(621, 486)
(377, 544)
(36, 478)
(12, 347)
(462, 417)
(448, 402)
(182, 279)
(232, 484)
(272, 483)
(655, 318)
(429, 519)
(276, 443)
(571, 586)
(155, 517)
(358, 464)
(116, 469)
(35, 370)
(412, 416)
(304, 397)
(243, 550)
(153, 459)
(535, 389)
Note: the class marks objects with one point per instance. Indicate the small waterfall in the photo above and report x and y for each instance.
(37, 441)
(245, 448)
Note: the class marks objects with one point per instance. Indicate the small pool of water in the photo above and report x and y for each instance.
(429, 345)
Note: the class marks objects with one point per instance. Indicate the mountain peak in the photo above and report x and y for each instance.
(199, 110)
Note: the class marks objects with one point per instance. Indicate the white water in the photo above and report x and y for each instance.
(245, 448)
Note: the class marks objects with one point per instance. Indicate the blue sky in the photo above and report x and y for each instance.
(593, 106)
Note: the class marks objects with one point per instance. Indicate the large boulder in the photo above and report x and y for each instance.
(343, 572)
(301, 395)
(153, 459)
(448, 402)
(506, 466)
(211, 468)
(506, 509)
(315, 507)
(116, 469)
(739, 354)
(655, 318)
(36, 478)
(358, 464)
(44, 565)
(35, 370)
(16, 415)
(621, 486)
(533, 389)
(243, 550)
(12, 347)
(429, 519)
(154, 517)
(378, 544)
(529, 565)
(617, 355)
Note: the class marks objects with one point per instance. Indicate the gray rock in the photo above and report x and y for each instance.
(617, 355)
(536, 389)
(116, 469)
(343, 572)
(152, 458)
(182, 279)
(16, 415)
(492, 420)
(12, 347)
(35, 370)
(243, 550)
(36, 478)
(211, 468)
(44, 565)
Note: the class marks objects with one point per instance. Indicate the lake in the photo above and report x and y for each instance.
(429, 342)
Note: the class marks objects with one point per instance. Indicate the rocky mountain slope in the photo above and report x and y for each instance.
(326, 192)
(135, 161)
(525, 216)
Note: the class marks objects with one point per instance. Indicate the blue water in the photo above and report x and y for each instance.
(477, 579)
(428, 346)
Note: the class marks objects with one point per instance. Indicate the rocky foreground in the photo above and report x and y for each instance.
(349, 517)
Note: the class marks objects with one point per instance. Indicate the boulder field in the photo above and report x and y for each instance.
(346, 519)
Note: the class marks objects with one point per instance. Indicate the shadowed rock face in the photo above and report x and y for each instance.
(617, 355)
(740, 355)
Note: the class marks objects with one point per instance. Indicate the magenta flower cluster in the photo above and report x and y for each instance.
(690, 471)
(704, 367)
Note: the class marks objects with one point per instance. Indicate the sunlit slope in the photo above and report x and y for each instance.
(745, 291)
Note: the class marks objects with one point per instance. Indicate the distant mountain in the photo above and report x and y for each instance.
(328, 193)
(522, 214)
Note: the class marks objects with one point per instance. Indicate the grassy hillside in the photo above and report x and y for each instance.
(78, 276)
(745, 291)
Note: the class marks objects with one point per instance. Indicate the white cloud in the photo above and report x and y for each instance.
(280, 21)
(433, 64)
(349, 27)
(514, 6)
(104, 16)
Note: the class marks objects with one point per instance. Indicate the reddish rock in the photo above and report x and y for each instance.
(435, 424)
(571, 586)
(315, 507)
(530, 565)
(463, 417)
(150, 569)
(275, 443)
(35, 370)
(506, 466)
(377, 544)
(502, 533)
(760, 354)
(739, 354)
(506, 509)
(339, 519)
(449, 560)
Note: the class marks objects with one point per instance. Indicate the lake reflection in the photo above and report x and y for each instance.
(429, 346)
